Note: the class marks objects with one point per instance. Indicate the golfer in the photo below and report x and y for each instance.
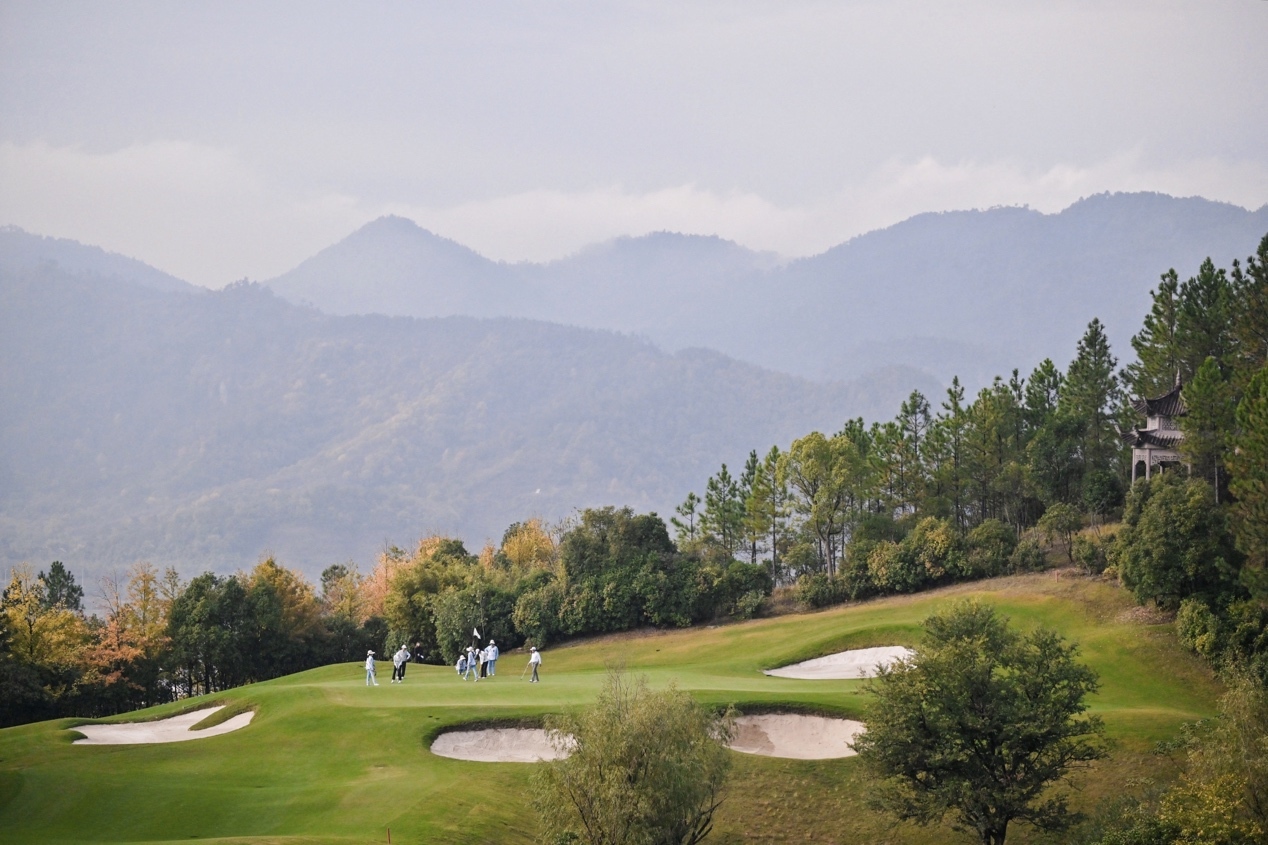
(534, 660)
(462, 666)
(493, 658)
(473, 668)
(399, 660)
(369, 669)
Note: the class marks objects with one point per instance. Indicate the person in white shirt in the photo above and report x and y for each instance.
(473, 668)
(369, 669)
(493, 658)
(398, 665)
(534, 660)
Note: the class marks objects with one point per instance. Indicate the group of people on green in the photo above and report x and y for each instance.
(476, 662)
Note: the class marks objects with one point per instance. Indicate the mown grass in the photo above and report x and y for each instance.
(328, 760)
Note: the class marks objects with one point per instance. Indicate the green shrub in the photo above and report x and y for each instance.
(1028, 556)
(989, 547)
(1199, 628)
(748, 605)
(818, 590)
(1088, 554)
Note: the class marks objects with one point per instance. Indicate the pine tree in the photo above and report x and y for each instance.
(1207, 425)
(1090, 396)
(1248, 467)
(1249, 311)
(1203, 327)
(1157, 351)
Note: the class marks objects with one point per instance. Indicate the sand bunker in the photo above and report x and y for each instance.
(796, 737)
(773, 735)
(175, 729)
(844, 665)
(497, 745)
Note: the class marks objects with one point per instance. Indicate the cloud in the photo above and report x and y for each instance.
(539, 225)
(196, 211)
(207, 215)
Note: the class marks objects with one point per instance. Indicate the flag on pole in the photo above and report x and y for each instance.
(475, 633)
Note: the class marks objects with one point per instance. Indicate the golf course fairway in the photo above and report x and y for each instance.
(327, 759)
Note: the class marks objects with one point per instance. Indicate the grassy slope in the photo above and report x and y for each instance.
(329, 760)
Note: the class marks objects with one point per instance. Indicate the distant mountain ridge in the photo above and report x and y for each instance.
(972, 293)
(204, 428)
(22, 252)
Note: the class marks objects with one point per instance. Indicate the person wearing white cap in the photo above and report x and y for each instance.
(369, 669)
(398, 665)
(493, 658)
(473, 668)
(534, 660)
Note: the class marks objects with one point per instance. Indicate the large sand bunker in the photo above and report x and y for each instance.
(175, 729)
(844, 665)
(773, 735)
(796, 737)
(497, 745)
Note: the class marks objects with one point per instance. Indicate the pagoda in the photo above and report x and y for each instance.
(1154, 447)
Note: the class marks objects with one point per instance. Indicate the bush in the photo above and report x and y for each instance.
(934, 545)
(893, 570)
(1199, 628)
(644, 767)
(1028, 556)
(818, 590)
(1089, 555)
(748, 605)
(1175, 543)
(989, 547)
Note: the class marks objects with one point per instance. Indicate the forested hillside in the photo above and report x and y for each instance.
(202, 429)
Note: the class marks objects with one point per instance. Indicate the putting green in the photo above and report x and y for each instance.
(328, 760)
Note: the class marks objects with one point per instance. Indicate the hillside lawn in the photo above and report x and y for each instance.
(329, 760)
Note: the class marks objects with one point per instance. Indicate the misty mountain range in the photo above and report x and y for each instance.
(968, 293)
(145, 418)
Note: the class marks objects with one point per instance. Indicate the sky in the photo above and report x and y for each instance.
(226, 140)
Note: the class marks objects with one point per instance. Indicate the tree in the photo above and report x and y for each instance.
(61, 590)
(686, 528)
(1208, 399)
(723, 519)
(1157, 353)
(1249, 312)
(1061, 521)
(766, 509)
(1175, 542)
(1248, 466)
(644, 767)
(1090, 394)
(982, 722)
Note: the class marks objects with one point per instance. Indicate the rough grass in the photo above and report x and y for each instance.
(328, 760)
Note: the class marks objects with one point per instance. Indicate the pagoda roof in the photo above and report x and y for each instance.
(1170, 404)
(1139, 438)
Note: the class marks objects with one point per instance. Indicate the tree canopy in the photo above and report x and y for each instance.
(982, 723)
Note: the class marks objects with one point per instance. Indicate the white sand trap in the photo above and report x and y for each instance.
(175, 729)
(497, 745)
(795, 736)
(844, 665)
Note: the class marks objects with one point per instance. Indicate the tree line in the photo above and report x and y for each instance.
(964, 489)
(160, 638)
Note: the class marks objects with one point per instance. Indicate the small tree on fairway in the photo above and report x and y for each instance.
(980, 723)
(644, 768)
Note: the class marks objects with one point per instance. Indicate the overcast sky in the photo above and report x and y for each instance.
(223, 140)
